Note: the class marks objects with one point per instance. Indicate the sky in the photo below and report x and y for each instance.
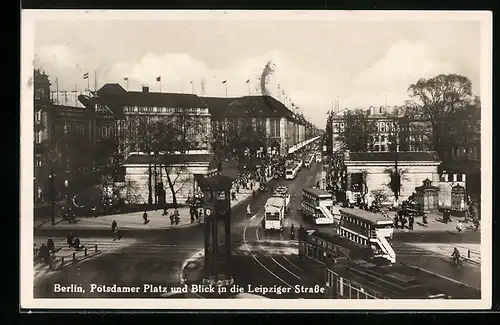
(314, 61)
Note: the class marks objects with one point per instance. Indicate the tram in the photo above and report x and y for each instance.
(359, 279)
(284, 193)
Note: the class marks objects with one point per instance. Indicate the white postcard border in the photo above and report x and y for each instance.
(28, 20)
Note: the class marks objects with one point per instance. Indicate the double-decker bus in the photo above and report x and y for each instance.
(369, 229)
(317, 205)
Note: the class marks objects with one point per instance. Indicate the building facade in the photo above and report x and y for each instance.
(65, 138)
(389, 131)
(261, 120)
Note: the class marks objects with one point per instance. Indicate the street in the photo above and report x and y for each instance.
(263, 258)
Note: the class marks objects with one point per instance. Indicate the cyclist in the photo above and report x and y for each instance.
(455, 256)
(292, 232)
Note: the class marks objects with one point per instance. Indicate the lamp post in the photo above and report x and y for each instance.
(52, 197)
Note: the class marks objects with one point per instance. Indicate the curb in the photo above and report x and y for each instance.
(126, 229)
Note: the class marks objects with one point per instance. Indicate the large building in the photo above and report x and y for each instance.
(65, 137)
(167, 138)
(274, 127)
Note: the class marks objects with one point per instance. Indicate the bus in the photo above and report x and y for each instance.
(284, 193)
(274, 217)
(317, 205)
(370, 229)
(292, 171)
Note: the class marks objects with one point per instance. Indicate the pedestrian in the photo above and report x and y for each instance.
(165, 211)
(114, 226)
(424, 219)
(76, 243)
(446, 216)
(410, 222)
(460, 226)
(50, 245)
(403, 222)
(69, 239)
(44, 254)
(172, 221)
(145, 217)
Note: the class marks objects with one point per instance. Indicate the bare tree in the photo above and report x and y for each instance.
(439, 98)
(358, 131)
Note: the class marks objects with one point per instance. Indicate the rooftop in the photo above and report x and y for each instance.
(366, 215)
(317, 191)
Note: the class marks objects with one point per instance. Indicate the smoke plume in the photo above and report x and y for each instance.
(266, 74)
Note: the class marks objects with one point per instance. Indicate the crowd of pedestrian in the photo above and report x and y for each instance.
(46, 251)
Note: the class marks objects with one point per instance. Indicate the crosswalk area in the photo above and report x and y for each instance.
(470, 251)
(128, 249)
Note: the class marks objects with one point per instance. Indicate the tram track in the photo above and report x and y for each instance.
(278, 266)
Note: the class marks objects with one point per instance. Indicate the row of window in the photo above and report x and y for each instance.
(353, 237)
(156, 109)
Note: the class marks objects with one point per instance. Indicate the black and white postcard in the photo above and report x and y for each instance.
(173, 159)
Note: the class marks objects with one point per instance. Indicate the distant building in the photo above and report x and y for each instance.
(278, 127)
(392, 131)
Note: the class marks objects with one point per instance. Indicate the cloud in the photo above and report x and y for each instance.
(403, 64)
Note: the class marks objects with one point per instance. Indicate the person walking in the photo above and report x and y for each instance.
(114, 229)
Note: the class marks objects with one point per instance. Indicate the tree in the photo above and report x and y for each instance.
(357, 133)
(438, 99)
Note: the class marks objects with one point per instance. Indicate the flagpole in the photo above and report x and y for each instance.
(192, 87)
(95, 80)
(249, 92)
(127, 84)
(57, 91)
(160, 85)
(76, 95)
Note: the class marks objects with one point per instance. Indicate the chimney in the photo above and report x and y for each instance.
(145, 89)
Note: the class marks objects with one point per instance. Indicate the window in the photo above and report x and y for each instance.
(382, 138)
(376, 148)
(82, 129)
(38, 137)
(382, 147)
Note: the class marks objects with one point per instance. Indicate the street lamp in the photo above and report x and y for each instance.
(52, 197)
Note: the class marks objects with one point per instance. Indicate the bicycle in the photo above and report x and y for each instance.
(456, 262)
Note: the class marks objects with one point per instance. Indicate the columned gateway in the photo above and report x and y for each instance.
(368, 172)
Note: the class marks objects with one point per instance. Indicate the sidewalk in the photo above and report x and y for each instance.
(129, 221)
(434, 223)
